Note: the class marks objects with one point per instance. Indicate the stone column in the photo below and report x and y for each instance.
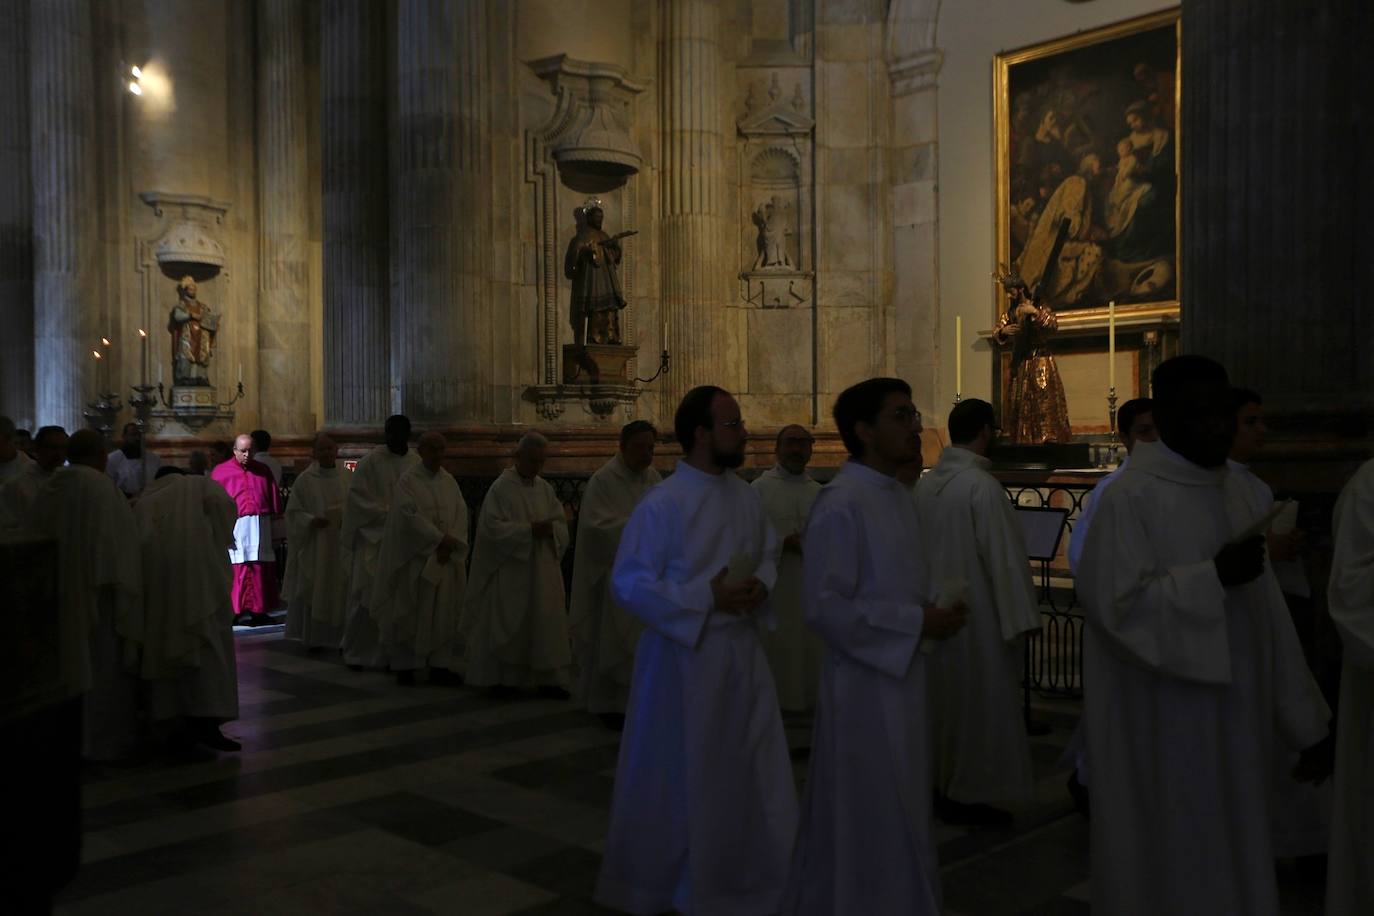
(693, 180)
(16, 219)
(66, 273)
(357, 333)
(440, 276)
(1277, 199)
(283, 182)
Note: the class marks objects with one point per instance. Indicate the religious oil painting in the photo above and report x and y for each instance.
(1087, 153)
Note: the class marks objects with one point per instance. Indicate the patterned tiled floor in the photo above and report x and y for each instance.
(355, 795)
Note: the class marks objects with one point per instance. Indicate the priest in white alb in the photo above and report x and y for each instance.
(794, 652)
(18, 493)
(603, 635)
(1192, 671)
(13, 462)
(417, 598)
(704, 811)
(99, 593)
(1350, 878)
(316, 583)
(865, 843)
(364, 520)
(980, 755)
(185, 527)
(516, 622)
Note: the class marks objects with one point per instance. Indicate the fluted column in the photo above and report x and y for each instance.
(357, 334)
(693, 181)
(63, 164)
(283, 318)
(1277, 198)
(16, 218)
(440, 211)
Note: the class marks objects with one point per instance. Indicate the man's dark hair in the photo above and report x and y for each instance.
(1130, 410)
(1242, 396)
(46, 431)
(131, 424)
(1172, 377)
(397, 420)
(634, 428)
(967, 420)
(694, 411)
(777, 442)
(167, 469)
(262, 440)
(84, 446)
(862, 403)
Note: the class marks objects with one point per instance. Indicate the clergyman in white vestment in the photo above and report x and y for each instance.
(704, 811)
(316, 583)
(364, 520)
(603, 634)
(132, 466)
(13, 463)
(418, 596)
(794, 652)
(100, 592)
(185, 527)
(516, 620)
(865, 843)
(19, 491)
(1190, 666)
(981, 757)
(1350, 878)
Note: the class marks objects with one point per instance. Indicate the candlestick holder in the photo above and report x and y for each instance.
(664, 367)
(957, 398)
(100, 414)
(1111, 409)
(238, 393)
(143, 402)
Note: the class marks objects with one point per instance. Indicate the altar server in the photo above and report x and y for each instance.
(364, 520)
(787, 491)
(99, 593)
(516, 622)
(865, 844)
(253, 490)
(980, 753)
(316, 565)
(1350, 881)
(17, 494)
(418, 595)
(185, 525)
(603, 634)
(704, 811)
(132, 465)
(1190, 665)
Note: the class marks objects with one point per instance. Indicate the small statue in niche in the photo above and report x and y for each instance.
(193, 325)
(592, 264)
(773, 221)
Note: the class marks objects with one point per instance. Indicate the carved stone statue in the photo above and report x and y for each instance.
(591, 263)
(192, 325)
(774, 226)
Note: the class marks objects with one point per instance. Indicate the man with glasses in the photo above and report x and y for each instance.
(865, 845)
(704, 812)
(980, 753)
(794, 652)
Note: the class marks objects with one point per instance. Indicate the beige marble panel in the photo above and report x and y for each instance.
(845, 42)
(847, 213)
(913, 117)
(844, 102)
(770, 410)
(779, 351)
(913, 203)
(844, 289)
(845, 347)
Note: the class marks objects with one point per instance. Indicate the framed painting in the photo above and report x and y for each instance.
(1087, 153)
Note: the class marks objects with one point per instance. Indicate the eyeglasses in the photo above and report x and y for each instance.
(731, 424)
(907, 415)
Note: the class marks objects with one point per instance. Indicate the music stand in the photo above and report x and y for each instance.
(1042, 528)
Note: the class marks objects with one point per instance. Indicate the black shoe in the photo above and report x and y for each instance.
(242, 620)
(553, 692)
(259, 620)
(405, 678)
(211, 737)
(1079, 793)
(975, 815)
(445, 677)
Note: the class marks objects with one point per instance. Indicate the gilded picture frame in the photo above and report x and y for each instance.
(1087, 130)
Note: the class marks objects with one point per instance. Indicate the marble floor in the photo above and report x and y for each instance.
(355, 795)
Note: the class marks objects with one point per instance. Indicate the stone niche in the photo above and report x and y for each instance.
(584, 148)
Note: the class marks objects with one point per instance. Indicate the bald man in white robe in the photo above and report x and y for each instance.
(316, 584)
(516, 620)
(100, 593)
(364, 521)
(788, 492)
(418, 597)
(185, 527)
(604, 635)
(1350, 879)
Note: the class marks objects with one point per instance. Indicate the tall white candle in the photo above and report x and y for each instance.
(159, 372)
(240, 373)
(1111, 344)
(958, 354)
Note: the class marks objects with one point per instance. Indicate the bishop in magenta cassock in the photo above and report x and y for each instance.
(254, 491)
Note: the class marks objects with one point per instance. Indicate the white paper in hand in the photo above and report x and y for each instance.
(952, 591)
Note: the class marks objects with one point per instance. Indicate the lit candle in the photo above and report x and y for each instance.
(143, 340)
(958, 354)
(105, 365)
(159, 372)
(1111, 344)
